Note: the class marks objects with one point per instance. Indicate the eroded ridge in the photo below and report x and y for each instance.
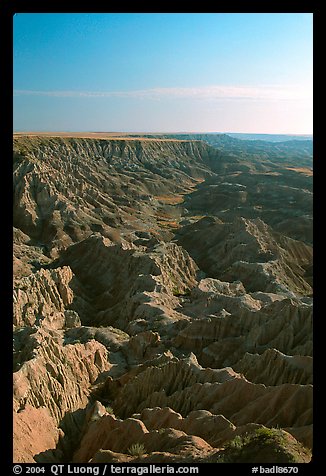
(162, 304)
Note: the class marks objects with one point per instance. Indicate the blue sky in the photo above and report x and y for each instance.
(163, 72)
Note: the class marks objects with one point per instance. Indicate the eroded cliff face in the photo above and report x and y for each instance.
(67, 188)
(139, 321)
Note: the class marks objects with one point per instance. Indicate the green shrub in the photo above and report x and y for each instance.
(237, 443)
(137, 449)
(263, 445)
(176, 292)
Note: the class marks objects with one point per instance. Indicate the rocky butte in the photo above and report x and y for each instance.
(162, 299)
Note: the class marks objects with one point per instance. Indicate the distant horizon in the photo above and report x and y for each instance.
(160, 132)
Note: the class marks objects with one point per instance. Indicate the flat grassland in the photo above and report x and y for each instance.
(96, 135)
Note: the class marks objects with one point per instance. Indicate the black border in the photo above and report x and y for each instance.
(7, 9)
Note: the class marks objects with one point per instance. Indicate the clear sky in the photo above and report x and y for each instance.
(163, 72)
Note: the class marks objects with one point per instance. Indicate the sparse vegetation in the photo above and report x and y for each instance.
(169, 199)
(264, 445)
(238, 442)
(161, 431)
(137, 449)
(178, 293)
(168, 224)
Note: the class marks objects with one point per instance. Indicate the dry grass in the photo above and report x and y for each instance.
(163, 215)
(168, 224)
(197, 217)
(95, 135)
(169, 199)
(302, 170)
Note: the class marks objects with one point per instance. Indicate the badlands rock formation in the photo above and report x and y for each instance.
(162, 302)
